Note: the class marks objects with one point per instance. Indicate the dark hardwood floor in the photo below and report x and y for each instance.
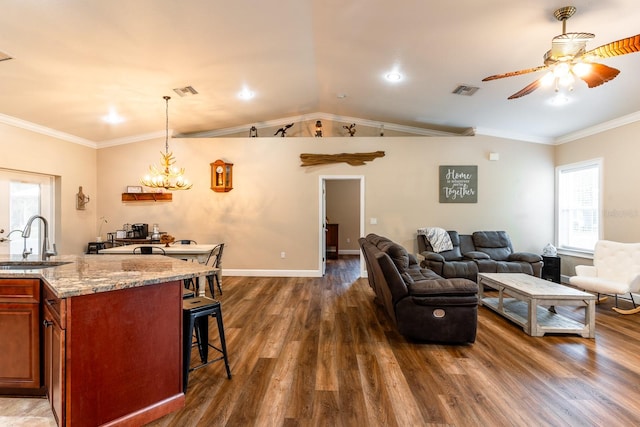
(319, 352)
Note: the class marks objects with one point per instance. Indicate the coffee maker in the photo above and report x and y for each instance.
(139, 231)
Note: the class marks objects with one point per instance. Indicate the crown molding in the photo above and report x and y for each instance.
(513, 135)
(132, 139)
(325, 116)
(32, 127)
(593, 130)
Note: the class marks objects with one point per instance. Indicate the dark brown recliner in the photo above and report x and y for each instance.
(422, 305)
(494, 254)
(451, 263)
(480, 252)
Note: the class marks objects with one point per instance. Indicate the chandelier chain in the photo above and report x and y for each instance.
(166, 175)
(166, 124)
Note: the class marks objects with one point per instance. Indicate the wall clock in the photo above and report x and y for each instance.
(221, 176)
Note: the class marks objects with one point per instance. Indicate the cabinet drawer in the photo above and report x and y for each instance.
(57, 306)
(20, 290)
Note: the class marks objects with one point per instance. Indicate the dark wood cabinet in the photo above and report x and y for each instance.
(54, 353)
(20, 336)
(331, 241)
(114, 357)
(551, 268)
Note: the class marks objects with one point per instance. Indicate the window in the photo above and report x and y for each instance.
(578, 192)
(22, 195)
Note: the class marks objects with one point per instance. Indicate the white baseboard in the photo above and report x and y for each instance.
(272, 273)
(349, 252)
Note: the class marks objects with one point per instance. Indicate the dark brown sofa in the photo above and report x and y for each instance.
(480, 252)
(422, 305)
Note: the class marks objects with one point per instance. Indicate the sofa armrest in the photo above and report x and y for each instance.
(525, 257)
(586, 270)
(395, 282)
(412, 259)
(432, 256)
(476, 255)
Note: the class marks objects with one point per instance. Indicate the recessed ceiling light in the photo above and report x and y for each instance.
(393, 76)
(246, 94)
(559, 99)
(341, 95)
(113, 117)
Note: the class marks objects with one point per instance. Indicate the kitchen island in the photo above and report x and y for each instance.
(100, 335)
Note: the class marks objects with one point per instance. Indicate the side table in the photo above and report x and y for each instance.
(551, 268)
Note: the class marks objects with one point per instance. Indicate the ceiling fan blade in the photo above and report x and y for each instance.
(527, 90)
(515, 73)
(599, 74)
(616, 48)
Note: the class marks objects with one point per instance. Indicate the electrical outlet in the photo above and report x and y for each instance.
(348, 240)
(283, 255)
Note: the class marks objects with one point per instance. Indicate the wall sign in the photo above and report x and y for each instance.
(458, 184)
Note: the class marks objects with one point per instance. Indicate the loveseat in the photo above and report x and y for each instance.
(422, 305)
(479, 252)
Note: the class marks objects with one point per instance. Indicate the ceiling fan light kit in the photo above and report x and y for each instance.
(568, 59)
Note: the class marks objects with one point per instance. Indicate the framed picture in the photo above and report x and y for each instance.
(458, 184)
(134, 189)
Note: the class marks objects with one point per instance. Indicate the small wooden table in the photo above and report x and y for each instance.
(198, 253)
(519, 299)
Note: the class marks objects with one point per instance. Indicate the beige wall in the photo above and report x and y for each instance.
(343, 208)
(74, 165)
(621, 200)
(274, 206)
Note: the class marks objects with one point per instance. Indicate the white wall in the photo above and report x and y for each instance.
(343, 208)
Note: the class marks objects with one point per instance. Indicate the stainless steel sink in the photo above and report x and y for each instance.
(30, 265)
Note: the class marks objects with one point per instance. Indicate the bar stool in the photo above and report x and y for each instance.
(195, 317)
(187, 293)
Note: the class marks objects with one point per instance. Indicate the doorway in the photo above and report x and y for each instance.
(342, 205)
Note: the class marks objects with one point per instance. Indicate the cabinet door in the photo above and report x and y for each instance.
(19, 346)
(54, 374)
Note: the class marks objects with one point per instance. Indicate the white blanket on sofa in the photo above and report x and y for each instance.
(438, 238)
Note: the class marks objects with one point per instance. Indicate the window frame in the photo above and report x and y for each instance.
(599, 164)
(46, 206)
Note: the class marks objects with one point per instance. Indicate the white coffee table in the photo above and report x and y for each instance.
(520, 297)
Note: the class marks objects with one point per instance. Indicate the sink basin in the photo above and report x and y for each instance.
(29, 265)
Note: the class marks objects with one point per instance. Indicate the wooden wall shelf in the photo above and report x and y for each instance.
(146, 197)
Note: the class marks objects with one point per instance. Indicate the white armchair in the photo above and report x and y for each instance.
(615, 271)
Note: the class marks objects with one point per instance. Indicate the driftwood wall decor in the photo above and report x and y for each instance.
(354, 159)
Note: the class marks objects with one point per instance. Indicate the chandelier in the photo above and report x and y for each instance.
(166, 175)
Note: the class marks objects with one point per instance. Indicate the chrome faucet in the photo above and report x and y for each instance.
(46, 252)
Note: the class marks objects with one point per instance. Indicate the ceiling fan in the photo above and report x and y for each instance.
(569, 59)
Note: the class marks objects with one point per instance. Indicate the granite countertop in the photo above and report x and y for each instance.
(90, 274)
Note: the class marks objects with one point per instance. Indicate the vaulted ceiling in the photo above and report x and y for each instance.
(76, 61)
